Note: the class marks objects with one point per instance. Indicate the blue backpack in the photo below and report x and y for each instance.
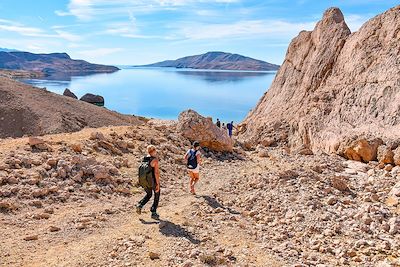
(192, 160)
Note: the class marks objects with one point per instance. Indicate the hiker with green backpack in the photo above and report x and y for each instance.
(149, 179)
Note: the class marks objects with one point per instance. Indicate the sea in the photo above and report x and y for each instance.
(165, 92)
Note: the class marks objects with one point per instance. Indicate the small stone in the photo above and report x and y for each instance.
(77, 147)
(154, 256)
(388, 167)
(34, 141)
(332, 200)
(31, 237)
(54, 229)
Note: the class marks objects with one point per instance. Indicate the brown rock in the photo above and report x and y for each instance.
(396, 156)
(40, 192)
(154, 256)
(68, 93)
(7, 206)
(54, 229)
(340, 183)
(195, 127)
(388, 167)
(33, 141)
(97, 136)
(31, 237)
(77, 147)
(385, 155)
(108, 146)
(93, 99)
(362, 150)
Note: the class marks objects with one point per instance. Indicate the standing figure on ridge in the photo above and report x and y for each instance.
(218, 123)
(230, 127)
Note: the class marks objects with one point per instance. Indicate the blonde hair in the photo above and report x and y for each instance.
(150, 149)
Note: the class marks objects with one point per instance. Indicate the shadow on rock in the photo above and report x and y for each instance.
(213, 203)
(168, 228)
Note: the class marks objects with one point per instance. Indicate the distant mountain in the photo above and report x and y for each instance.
(7, 50)
(218, 61)
(50, 63)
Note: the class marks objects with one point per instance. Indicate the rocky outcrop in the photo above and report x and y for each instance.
(93, 99)
(195, 127)
(68, 93)
(26, 110)
(320, 99)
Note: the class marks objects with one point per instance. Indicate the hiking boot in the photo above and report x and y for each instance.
(139, 209)
(154, 215)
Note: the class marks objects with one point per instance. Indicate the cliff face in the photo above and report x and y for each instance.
(218, 61)
(50, 63)
(333, 86)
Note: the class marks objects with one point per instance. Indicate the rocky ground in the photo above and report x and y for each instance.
(68, 200)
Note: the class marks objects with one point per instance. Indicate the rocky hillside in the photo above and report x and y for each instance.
(333, 89)
(50, 63)
(218, 61)
(69, 200)
(26, 110)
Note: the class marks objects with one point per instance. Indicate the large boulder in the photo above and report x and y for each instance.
(68, 93)
(93, 99)
(193, 126)
(362, 150)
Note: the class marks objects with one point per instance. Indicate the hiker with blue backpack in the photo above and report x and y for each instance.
(149, 179)
(193, 160)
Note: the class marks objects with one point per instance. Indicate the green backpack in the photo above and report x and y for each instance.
(146, 179)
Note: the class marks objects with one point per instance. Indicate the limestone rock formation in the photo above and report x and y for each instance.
(321, 99)
(195, 127)
(68, 93)
(93, 99)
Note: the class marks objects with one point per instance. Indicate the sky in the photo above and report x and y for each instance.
(134, 32)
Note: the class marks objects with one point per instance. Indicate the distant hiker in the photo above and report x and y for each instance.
(218, 123)
(230, 127)
(223, 126)
(193, 160)
(149, 179)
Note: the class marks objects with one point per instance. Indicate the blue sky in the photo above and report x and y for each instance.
(146, 31)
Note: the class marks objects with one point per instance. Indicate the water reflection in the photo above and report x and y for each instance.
(223, 76)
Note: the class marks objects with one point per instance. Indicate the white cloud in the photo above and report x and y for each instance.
(68, 36)
(90, 9)
(99, 52)
(16, 27)
(244, 29)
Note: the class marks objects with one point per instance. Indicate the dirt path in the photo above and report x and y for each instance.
(193, 231)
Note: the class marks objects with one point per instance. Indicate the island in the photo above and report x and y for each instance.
(49, 64)
(217, 61)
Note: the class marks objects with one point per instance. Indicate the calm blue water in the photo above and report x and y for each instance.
(164, 93)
